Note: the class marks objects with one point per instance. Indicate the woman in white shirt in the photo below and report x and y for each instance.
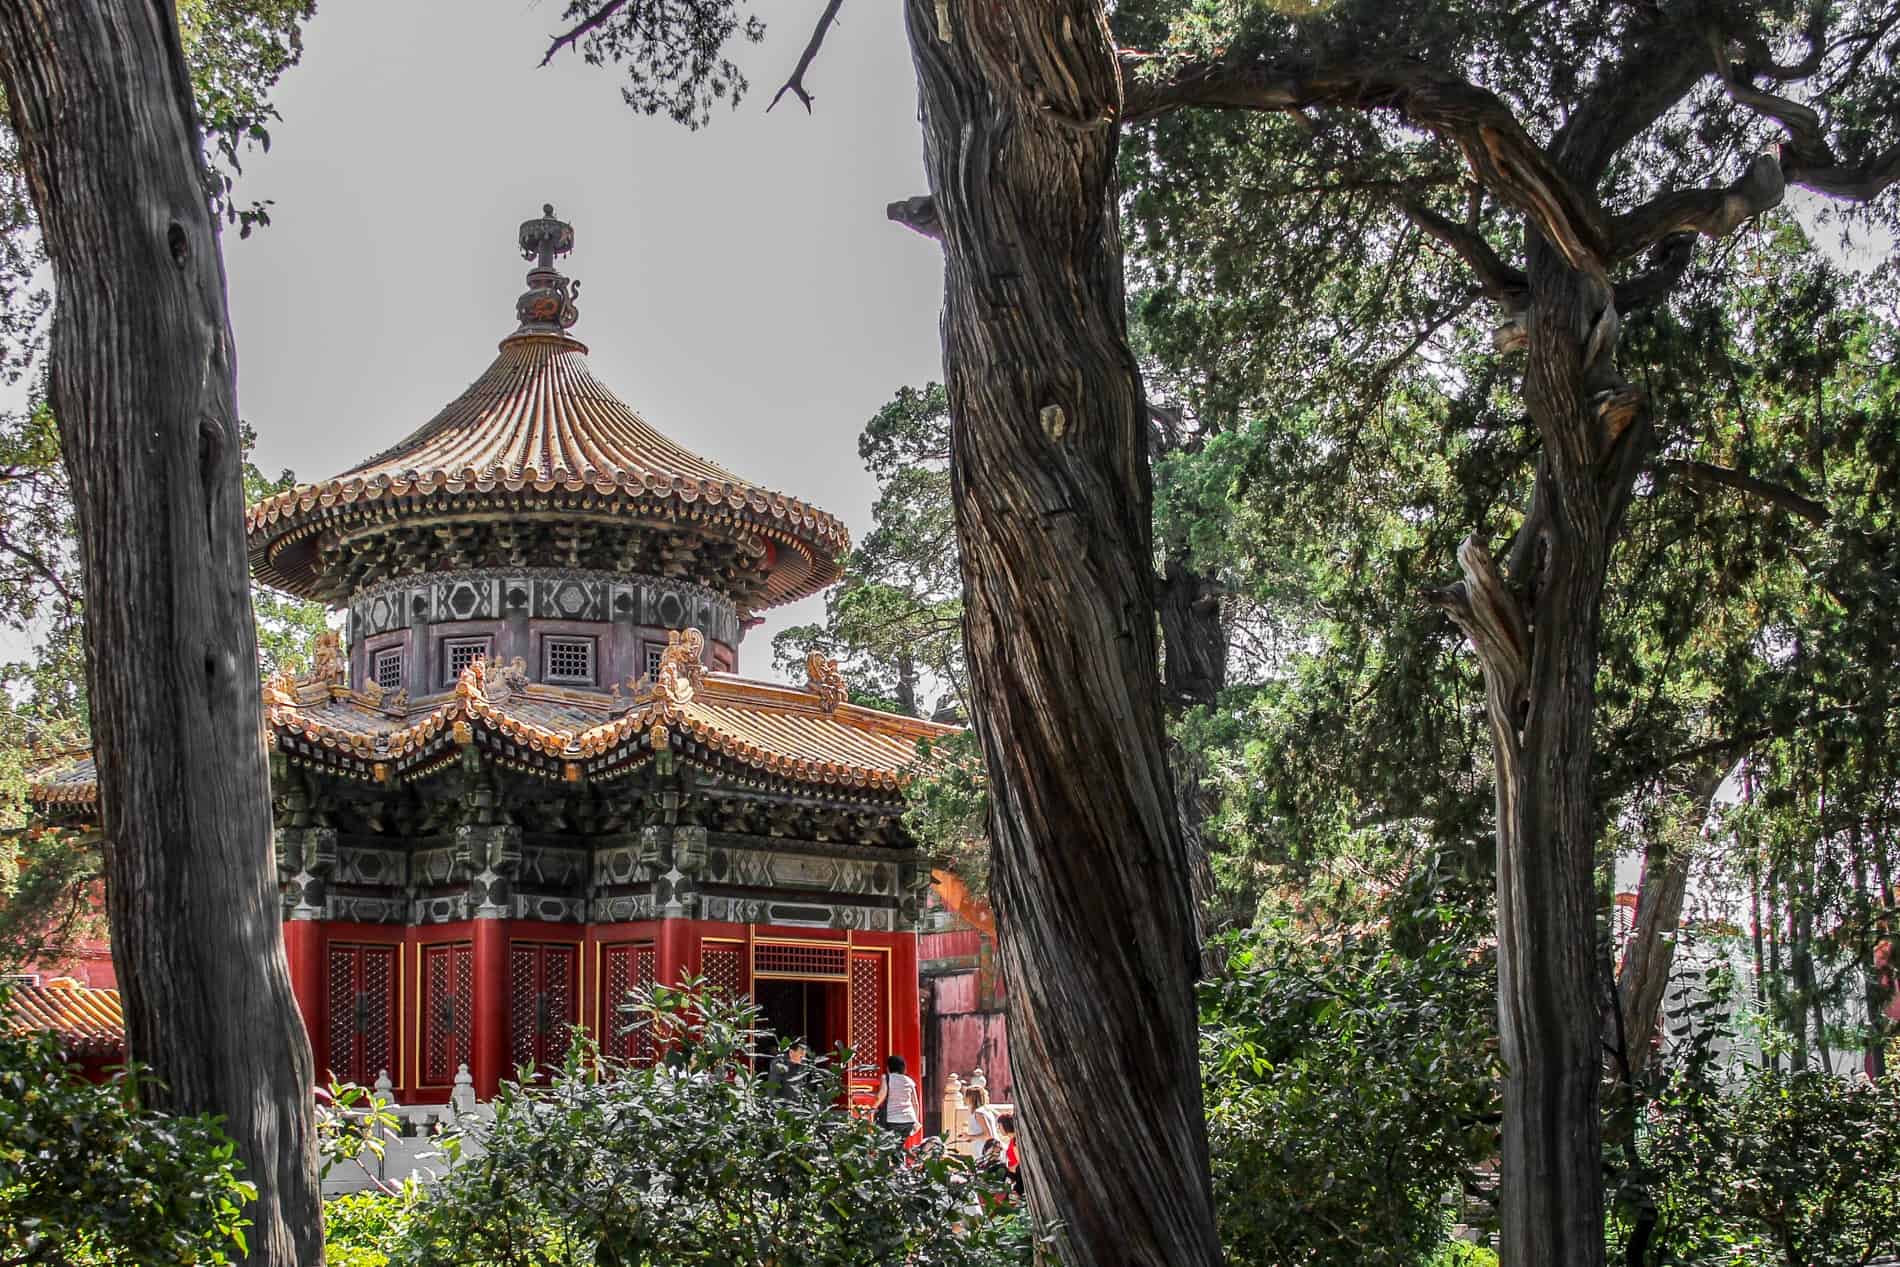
(982, 1132)
(896, 1106)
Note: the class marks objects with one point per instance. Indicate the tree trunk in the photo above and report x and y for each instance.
(144, 386)
(1193, 639)
(1193, 671)
(907, 685)
(1536, 639)
(1643, 976)
(1051, 485)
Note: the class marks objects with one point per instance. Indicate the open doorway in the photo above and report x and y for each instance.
(813, 1010)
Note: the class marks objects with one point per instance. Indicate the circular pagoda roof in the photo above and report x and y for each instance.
(537, 439)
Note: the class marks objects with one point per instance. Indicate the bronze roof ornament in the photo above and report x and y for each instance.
(547, 306)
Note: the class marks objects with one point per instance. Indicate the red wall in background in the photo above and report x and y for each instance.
(964, 1009)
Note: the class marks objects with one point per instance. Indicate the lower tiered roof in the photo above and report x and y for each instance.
(758, 734)
(88, 1022)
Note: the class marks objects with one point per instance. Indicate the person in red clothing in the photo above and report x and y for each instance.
(1012, 1161)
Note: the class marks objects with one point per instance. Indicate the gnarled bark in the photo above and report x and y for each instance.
(1536, 636)
(1050, 473)
(1193, 639)
(144, 386)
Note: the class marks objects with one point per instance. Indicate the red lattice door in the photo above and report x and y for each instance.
(448, 1010)
(870, 1020)
(722, 964)
(361, 1028)
(543, 1002)
(625, 968)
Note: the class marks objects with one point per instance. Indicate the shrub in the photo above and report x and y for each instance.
(361, 1229)
(1349, 1090)
(1801, 1169)
(695, 1160)
(88, 1176)
(1462, 1254)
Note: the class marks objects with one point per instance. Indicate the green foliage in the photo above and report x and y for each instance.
(48, 885)
(360, 1229)
(672, 51)
(89, 1178)
(694, 1160)
(947, 808)
(1800, 1169)
(1462, 1254)
(895, 623)
(237, 50)
(1350, 1089)
(354, 1128)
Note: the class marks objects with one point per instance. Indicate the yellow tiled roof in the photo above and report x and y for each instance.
(539, 421)
(89, 1022)
(789, 733)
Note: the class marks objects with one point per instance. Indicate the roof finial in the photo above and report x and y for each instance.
(547, 307)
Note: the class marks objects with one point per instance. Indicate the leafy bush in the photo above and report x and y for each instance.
(1462, 1254)
(1801, 1169)
(361, 1229)
(695, 1160)
(1349, 1090)
(87, 1176)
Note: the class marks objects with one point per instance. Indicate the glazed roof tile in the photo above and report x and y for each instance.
(538, 413)
(538, 421)
(89, 1022)
(69, 778)
(788, 732)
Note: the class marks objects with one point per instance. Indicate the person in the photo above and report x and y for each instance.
(786, 1078)
(896, 1106)
(982, 1127)
(1012, 1160)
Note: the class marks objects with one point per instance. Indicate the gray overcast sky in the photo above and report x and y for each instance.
(741, 287)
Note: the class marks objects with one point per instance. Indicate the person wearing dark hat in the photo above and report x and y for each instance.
(786, 1078)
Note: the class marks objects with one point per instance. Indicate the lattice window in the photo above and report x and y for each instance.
(541, 1002)
(522, 961)
(387, 670)
(624, 969)
(458, 654)
(568, 660)
(723, 967)
(870, 1037)
(362, 1012)
(790, 959)
(448, 1010)
(655, 652)
(341, 1047)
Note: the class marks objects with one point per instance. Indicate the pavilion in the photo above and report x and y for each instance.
(527, 776)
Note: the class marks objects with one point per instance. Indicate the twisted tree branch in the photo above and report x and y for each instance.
(1660, 63)
(1713, 213)
(1501, 282)
(592, 21)
(796, 84)
(1499, 151)
(1860, 183)
(1489, 613)
(1668, 261)
(1778, 495)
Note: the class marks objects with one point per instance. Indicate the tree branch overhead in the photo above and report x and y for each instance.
(796, 83)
